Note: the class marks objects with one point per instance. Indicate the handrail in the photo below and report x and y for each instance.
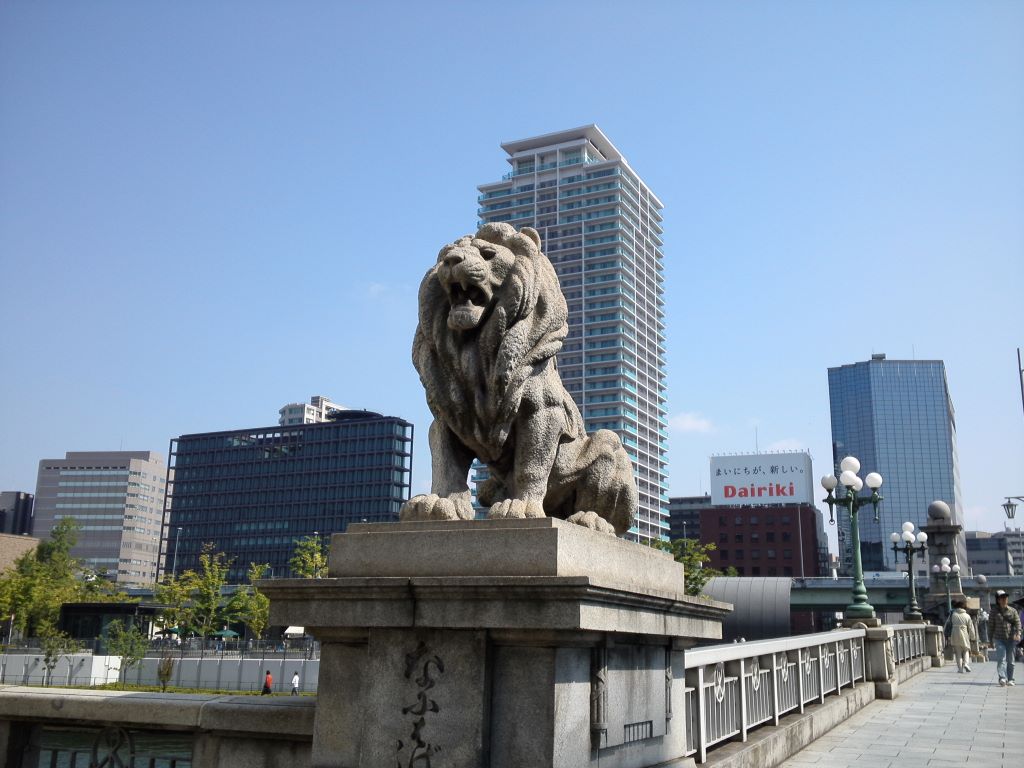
(712, 654)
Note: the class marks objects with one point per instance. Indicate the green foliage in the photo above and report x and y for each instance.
(128, 643)
(694, 556)
(309, 559)
(209, 610)
(165, 669)
(47, 577)
(250, 605)
(192, 599)
(55, 645)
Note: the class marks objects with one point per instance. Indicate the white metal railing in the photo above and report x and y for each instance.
(732, 689)
(908, 642)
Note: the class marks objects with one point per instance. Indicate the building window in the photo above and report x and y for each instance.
(723, 554)
(723, 537)
(787, 536)
(753, 519)
(770, 536)
(739, 520)
(773, 571)
(770, 520)
(739, 571)
(787, 554)
(739, 538)
(787, 570)
(739, 554)
(755, 571)
(721, 521)
(785, 520)
(771, 554)
(755, 537)
(755, 554)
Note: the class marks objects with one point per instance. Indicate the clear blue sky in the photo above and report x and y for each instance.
(208, 210)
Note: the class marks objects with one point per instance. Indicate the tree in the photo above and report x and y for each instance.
(47, 577)
(55, 645)
(309, 558)
(694, 556)
(128, 643)
(174, 593)
(251, 606)
(165, 669)
(209, 610)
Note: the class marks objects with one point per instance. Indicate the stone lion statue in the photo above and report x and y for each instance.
(491, 318)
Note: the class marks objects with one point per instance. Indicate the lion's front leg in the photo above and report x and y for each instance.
(537, 435)
(449, 497)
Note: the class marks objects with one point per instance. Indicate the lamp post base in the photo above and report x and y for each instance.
(852, 622)
(859, 611)
(913, 617)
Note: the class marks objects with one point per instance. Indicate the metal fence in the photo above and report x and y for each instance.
(908, 642)
(732, 689)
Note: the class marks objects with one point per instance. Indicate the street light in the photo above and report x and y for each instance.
(850, 466)
(1010, 505)
(912, 611)
(944, 569)
(177, 539)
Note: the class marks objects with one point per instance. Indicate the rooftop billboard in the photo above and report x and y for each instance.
(762, 478)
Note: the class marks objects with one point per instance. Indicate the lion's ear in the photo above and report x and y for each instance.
(533, 234)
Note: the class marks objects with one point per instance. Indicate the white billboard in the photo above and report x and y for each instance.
(762, 478)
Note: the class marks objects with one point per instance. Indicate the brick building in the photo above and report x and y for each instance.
(775, 540)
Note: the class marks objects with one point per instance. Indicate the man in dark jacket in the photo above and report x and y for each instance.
(1004, 630)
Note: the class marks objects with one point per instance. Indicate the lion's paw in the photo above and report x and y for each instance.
(428, 506)
(516, 508)
(593, 521)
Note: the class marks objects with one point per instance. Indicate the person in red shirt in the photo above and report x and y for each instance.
(268, 683)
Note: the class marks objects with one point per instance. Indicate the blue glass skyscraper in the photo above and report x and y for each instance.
(897, 417)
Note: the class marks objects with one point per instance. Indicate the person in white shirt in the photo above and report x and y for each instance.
(295, 683)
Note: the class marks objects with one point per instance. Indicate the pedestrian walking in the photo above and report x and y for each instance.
(1004, 631)
(962, 635)
(295, 683)
(268, 684)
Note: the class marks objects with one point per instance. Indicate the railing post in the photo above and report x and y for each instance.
(741, 670)
(775, 688)
(702, 713)
(853, 670)
(821, 674)
(800, 677)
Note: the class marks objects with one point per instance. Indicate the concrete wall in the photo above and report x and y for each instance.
(226, 731)
(216, 673)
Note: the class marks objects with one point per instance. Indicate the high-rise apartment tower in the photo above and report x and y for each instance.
(117, 497)
(601, 227)
(897, 417)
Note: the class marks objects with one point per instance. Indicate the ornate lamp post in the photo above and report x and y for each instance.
(943, 570)
(913, 611)
(850, 466)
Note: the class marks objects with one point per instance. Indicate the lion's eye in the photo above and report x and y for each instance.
(488, 253)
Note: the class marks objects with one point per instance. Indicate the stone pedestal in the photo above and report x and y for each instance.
(496, 643)
(934, 642)
(881, 664)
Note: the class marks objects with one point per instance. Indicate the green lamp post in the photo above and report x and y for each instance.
(852, 484)
(944, 569)
(913, 611)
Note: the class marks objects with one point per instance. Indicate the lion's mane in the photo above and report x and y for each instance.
(474, 381)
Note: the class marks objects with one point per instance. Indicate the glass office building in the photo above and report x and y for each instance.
(897, 417)
(253, 492)
(601, 227)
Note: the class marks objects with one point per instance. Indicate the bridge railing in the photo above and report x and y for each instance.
(732, 689)
(908, 642)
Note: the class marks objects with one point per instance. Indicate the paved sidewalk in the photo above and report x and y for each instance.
(940, 718)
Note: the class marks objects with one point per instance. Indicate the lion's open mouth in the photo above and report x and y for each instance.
(469, 302)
